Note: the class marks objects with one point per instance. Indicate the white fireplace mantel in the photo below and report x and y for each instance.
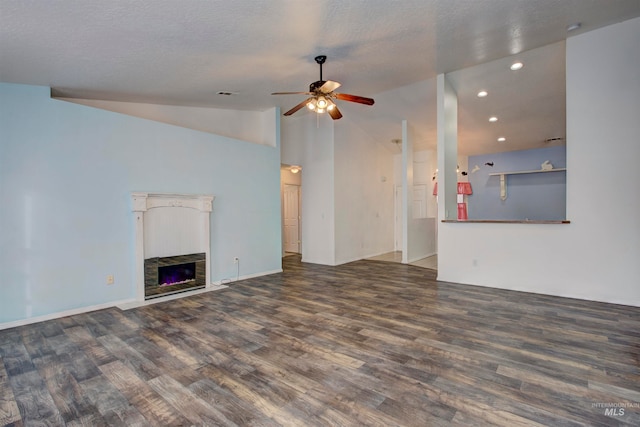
(145, 201)
(170, 225)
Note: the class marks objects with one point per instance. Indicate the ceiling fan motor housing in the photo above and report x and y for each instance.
(316, 85)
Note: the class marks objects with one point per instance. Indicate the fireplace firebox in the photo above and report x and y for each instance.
(169, 275)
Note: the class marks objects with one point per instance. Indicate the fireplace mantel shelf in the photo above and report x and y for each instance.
(145, 201)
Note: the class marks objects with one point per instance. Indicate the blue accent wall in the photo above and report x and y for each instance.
(66, 176)
(540, 196)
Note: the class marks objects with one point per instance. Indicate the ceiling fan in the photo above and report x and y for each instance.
(323, 95)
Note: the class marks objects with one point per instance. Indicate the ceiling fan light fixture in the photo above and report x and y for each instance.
(321, 102)
(322, 96)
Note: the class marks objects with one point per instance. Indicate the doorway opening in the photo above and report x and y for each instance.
(419, 213)
(290, 195)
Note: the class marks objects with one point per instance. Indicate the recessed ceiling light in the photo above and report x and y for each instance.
(502, 139)
(493, 119)
(482, 94)
(516, 66)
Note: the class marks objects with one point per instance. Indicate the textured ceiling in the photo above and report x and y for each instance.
(183, 52)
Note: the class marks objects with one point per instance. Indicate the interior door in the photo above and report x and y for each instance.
(419, 201)
(292, 218)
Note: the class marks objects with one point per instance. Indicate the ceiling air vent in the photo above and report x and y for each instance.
(552, 140)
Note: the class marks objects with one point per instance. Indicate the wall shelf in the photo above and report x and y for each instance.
(503, 179)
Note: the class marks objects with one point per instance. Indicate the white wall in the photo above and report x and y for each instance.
(447, 101)
(364, 196)
(67, 172)
(252, 126)
(596, 256)
(295, 133)
(310, 144)
(347, 208)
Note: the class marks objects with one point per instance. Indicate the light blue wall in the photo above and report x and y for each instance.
(540, 196)
(66, 175)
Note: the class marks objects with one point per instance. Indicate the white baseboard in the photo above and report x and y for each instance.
(60, 314)
(129, 303)
(421, 257)
(359, 258)
(315, 261)
(377, 254)
(246, 276)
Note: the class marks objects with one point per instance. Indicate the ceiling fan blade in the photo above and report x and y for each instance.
(335, 113)
(329, 86)
(354, 98)
(297, 107)
(292, 93)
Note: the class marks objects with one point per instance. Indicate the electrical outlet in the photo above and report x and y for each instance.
(110, 279)
(236, 260)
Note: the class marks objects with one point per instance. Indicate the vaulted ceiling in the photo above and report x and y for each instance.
(183, 52)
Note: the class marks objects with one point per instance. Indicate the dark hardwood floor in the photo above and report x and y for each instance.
(364, 344)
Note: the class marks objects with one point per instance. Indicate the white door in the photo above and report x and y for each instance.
(398, 219)
(291, 218)
(419, 201)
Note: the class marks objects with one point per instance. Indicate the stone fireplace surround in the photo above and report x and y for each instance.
(170, 225)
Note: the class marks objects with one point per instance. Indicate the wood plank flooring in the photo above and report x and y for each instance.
(364, 344)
